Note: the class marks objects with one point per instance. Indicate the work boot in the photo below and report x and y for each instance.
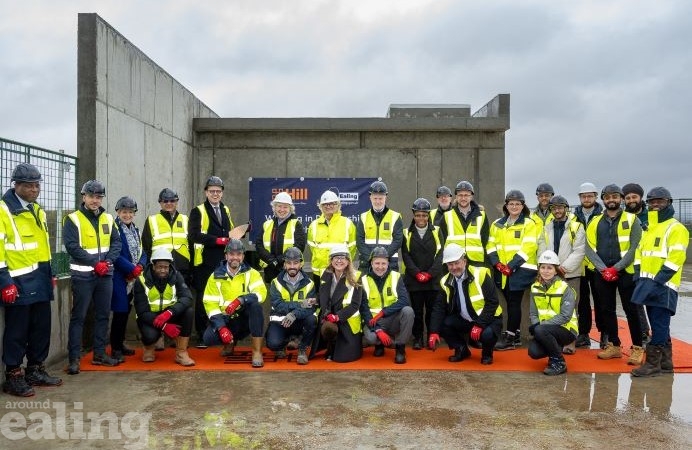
(228, 349)
(160, 345)
(400, 355)
(636, 357)
(302, 356)
(508, 341)
(200, 343)
(181, 355)
(37, 376)
(102, 359)
(556, 366)
(118, 355)
(611, 351)
(73, 367)
(604, 340)
(379, 350)
(460, 354)
(257, 360)
(652, 366)
(418, 343)
(486, 360)
(280, 354)
(583, 340)
(148, 354)
(667, 358)
(127, 351)
(16, 385)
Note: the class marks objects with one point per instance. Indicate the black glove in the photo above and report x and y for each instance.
(532, 327)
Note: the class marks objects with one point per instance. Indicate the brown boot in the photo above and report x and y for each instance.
(652, 366)
(667, 358)
(257, 360)
(149, 355)
(610, 351)
(160, 345)
(636, 357)
(181, 356)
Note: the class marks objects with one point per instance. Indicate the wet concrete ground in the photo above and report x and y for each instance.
(378, 410)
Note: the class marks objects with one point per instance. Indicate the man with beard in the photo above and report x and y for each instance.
(233, 300)
(292, 295)
(587, 210)
(611, 242)
(466, 225)
(634, 203)
(541, 215)
(444, 203)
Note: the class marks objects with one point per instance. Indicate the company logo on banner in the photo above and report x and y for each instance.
(306, 192)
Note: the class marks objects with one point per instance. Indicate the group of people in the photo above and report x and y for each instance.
(442, 275)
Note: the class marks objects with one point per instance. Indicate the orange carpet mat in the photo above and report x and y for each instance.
(584, 361)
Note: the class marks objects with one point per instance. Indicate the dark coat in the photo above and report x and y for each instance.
(212, 253)
(421, 255)
(348, 346)
(123, 267)
(273, 256)
(141, 301)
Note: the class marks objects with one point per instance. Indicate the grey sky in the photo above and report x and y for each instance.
(599, 90)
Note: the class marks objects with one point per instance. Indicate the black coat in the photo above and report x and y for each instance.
(212, 253)
(421, 255)
(141, 301)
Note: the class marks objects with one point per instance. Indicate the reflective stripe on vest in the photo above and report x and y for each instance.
(548, 302)
(167, 237)
(624, 229)
(470, 240)
(354, 320)
(22, 254)
(382, 234)
(158, 301)
(93, 241)
(378, 300)
(663, 245)
(288, 236)
(301, 293)
(475, 289)
(322, 236)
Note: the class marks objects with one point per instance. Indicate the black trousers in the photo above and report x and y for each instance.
(27, 333)
(422, 304)
(200, 276)
(151, 334)
(607, 303)
(119, 325)
(455, 331)
(513, 299)
(586, 293)
(548, 340)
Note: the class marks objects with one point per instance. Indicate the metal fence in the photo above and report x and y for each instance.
(58, 188)
(683, 211)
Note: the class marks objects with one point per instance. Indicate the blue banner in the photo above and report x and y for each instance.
(306, 193)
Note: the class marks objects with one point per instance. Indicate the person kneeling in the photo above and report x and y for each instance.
(163, 303)
(467, 307)
(552, 315)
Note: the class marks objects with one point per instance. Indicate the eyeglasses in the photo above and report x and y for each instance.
(339, 258)
(169, 201)
(214, 191)
(331, 205)
(514, 204)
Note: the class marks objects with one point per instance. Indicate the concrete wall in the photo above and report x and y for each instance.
(415, 149)
(134, 127)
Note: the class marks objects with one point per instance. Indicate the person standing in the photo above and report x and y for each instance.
(611, 243)
(512, 248)
(327, 231)
(233, 300)
(387, 314)
(92, 240)
(26, 284)
(466, 224)
(128, 266)
(658, 264)
(588, 209)
(541, 215)
(279, 233)
(379, 226)
(444, 204)
(209, 227)
(565, 236)
(422, 257)
(552, 313)
(163, 303)
(292, 295)
(467, 308)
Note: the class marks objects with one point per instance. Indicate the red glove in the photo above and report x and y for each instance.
(610, 274)
(377, 317)
(427, 276)
(161, 319)
(222, 241)
(384, 337)
(504, 269)
(433, 341)
(9, 294)
(333, 318)
(230, 309)
(420, 277)
(475, 333)
(101, 268)
(137, 271)
(225, 335)
(171, 330)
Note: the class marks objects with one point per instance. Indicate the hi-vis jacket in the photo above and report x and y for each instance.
(88, 239)
(516, 246)
(285, 300)
(150, 300)
(471, 234)
(222, 289)
(389, 233)
(323, 235)
(391, 299)
(170, 237)
(554, 304)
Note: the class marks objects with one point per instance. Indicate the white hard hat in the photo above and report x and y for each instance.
(161, 254)
(549, 257)
(282, 197)
(587, 187)
(452, 252)
(339, 250)
(328, 197)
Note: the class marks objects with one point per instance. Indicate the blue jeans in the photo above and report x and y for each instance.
(659, 318)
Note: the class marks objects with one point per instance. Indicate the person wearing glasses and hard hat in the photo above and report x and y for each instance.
(444, 204)
(466, 224)
(379, 226)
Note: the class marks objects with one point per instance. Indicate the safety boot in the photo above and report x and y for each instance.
(302, 356)
(508, 341)
(102, 359)
(379, 350)
(118, 355)
(556, 366)
(636, 357)
(257, 360)
(73, 366)
(228, 349)
(400, 355)
(418, 343)
(149, 355)
(181, 355)
(160, 345)
(610, 351)
(460, 354)
(16, 385)
(37, 376)
(652, 366)
(583, 340)
(667, 358)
